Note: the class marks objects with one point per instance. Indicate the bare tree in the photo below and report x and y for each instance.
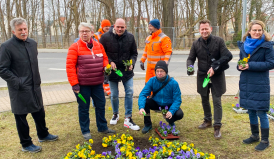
(212, 10)
(168, 17)
(43, 24)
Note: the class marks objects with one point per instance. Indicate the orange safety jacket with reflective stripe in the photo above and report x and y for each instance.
(158, 47)
(98, 34)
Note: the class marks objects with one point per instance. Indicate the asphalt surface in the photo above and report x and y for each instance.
(52, 67)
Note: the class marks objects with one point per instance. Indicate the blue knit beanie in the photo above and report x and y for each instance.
(155, 23)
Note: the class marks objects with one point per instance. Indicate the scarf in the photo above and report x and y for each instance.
(251, 44)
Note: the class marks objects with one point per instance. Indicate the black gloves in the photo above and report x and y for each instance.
(142, 65)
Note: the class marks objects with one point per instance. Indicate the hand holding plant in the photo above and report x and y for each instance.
(244, 61)
(127, 64)
(108, 69)
(164, 111)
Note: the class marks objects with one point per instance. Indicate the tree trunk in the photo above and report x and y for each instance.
(212, 10)
(43, 25)
(8, 12)
(168, 18)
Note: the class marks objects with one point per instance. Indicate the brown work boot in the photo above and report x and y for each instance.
(206, 124)
(217, 132)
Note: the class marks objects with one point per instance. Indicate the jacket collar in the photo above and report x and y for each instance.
(112, 31)
(19, 40)
(155, 34)
(210, 45)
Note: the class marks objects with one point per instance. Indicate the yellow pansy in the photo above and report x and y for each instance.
(77, 146)
(92, 152)
(191, 145)
(69, 154)
(184, 147)
(130, 62)
(124, 142)
(104, 145)
(122, 149)
(201, 153)
(178, 149)
(91, 141)
(155, 145)
(245, 59)
(108, 66)
(150, 138)
(233, 105)
(66, 157)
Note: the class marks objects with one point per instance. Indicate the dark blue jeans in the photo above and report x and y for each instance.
(97, 94)
(253, 117)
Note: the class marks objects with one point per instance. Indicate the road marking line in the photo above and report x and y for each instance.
(140, 73)
(57, 69)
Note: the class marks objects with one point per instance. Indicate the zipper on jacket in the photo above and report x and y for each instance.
(91, 51)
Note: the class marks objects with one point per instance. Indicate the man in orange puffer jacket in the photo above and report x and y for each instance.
(158, 47)
(105, 25)
(86, 61)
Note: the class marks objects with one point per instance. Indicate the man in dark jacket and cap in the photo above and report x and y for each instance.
(19, 68)
(120, 47)
(213, 58)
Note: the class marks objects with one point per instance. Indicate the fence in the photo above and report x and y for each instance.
(175, 34)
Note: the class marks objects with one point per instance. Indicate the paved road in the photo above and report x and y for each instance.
(52, 67)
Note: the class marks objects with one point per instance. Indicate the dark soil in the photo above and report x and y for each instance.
(141, 142)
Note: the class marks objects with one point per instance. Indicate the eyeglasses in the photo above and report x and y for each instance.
(84, 31)
(160, 71)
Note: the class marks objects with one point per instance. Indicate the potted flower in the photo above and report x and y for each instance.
(190, 69)
(127, 64)
(239, 109)
(270, 113)
(164, 111)
(166, 131)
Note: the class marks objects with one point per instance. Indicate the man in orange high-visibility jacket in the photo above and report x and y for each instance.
(158, 47)
(105, 25)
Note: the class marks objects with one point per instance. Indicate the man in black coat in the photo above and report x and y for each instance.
(213, 58)
(120, 47)
(19, 68)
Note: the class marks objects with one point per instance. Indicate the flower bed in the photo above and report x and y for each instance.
(124, 149)
(239, 109)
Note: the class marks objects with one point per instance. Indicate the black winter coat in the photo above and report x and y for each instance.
(215, 55)
(19, 68)
(119, 48)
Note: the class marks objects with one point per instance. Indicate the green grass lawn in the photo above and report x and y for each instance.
(62, 120)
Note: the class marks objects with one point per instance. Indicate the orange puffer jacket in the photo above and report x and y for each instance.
(85, 66)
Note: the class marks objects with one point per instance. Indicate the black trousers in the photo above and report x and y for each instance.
(152, 105)
(23, 127)
(217, 103)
